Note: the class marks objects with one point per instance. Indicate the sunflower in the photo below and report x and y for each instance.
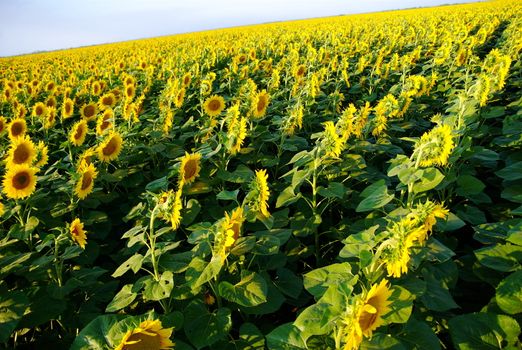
(300, 71)
(110, 148)
(376, 304)
(39, 110)
(50, 119)
(85, 183)
(175, 216)
(149, 335)
(2, 124)
(232, 226)
(79, 132)
(260, 104)
(214, 105)
(22, 151)
(51, 102)
(259, 193)
(89, 111)
(130, 92)
(187, 78)
(17, 128)
(332, 143)
(434, 147)
(78, 234)
(19, 181)
(42, 156)
(180, 97)
(104, 121)
(107, 101)
(2, 209)
(189, 168)
(21, 111)
(96, 88)
(67, 108)
(86, 157)
(397, 254)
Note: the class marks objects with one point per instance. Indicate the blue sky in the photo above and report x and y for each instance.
(33, 25)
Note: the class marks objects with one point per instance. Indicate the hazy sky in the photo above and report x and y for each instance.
(32, 25)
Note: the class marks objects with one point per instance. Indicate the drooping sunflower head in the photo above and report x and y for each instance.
(111, 147)
(89, 111)
(189, 168)
(261, 104)
(78, 132)
(19, 181)
(17, 128)
(232, 226)
(187, 78)
(20, 111)
(434, 147)
(259, 194)
(331, 142)
(51, 102)
(149, 335)
(85, 183)
(376, 304)
(22, 151)
(78, 233)
(300, 71)
(50, 119)
(175, 214)
(214, 105)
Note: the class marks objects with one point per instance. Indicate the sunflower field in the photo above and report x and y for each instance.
(352, 182)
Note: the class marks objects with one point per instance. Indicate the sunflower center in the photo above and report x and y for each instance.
(39, 110)
(79, 133)
(366, 320)
(21, 155)
(21, 180)
(86, 180)
(110, 148)
(214, 105)
(300, 71)
(190, 169)
(107, 101)
(2, 126)
(89, 111)
(261, 104)
(130, 91)
(105, 124)
(17, 129)
(236, 227)
(186, 80)
(68, 108)
(141, 341)
(75, 232)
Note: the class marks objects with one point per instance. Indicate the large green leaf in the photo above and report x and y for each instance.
(509, 293)
(133, 263)
(204, 328)
(250, 291)
(285, 337)
(483, 331)
(12, 307)
(124, 297)
(375, 196)
(94, 335)
(317, 281)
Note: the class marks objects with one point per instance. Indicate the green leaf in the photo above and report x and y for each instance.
(452, 223)
(429, 179)
(287, 197)
(211, 270)
(242, 174)
(159, 184)
(158, 290)
(437, 297)
(285, 337)
(375, 196)
(250, 291)
(190, 212)
(500, 257)
(250, 337)
(317, 281)
(419, 335)
(511, 172)
(94, 335)
(228, 195)
(509, 293)
(124, 297)
(315, 320)
(204, 328)
(133, 263)
(483, 331)
(401, 306)
(12, 307)
(469, 185)
(356, 243)
(334, 190)
(288, 282)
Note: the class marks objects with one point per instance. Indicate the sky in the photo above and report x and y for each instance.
(37, 25)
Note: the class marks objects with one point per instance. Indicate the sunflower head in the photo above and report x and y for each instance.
(107, 101)
(434, 147)
(42, 156)
(78, 132)
(40, 110)
(261, 104)
(3, 124)
(149, 335)
(85, 183)
(232, 226)
(89, 111)
(189, 168)
(78, 234)
(17, 128)
(376, 304)
(19, 181)
(259, 194)
(67, 108)
(22, 151)
(187, 78)
(104, 121)
(110, 148)
(214, 105)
